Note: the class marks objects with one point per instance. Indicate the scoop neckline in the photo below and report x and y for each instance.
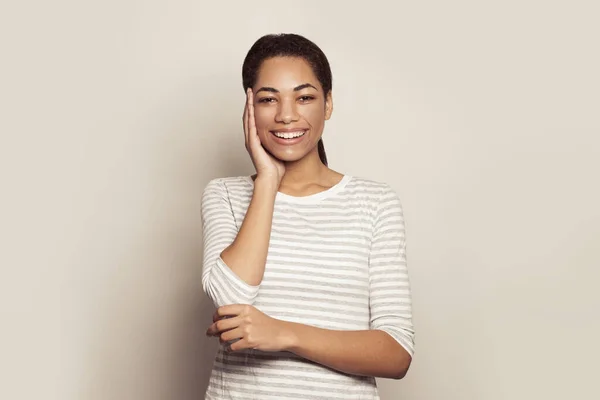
(311, 198)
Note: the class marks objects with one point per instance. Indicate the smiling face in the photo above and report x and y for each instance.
(290, 108)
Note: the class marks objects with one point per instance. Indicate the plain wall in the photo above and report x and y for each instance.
(484, 116)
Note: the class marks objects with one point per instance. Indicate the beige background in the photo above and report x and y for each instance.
(484, 116)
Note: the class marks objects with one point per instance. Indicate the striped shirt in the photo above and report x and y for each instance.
(336, 260)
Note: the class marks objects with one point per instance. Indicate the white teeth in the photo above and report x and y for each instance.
(289, 135)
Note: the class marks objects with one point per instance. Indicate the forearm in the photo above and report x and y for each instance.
(363, 352)
(247, 255)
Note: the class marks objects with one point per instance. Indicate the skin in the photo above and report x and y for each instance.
(286, 95)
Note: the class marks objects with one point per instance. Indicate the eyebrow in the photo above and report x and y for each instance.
(297, 88)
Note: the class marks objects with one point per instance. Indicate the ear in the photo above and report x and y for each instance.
(328, 105)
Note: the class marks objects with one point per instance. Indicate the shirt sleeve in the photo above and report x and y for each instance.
(219, 282)
(389, 287)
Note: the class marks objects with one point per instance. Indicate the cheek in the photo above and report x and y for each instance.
(263, 118)
(313, 115)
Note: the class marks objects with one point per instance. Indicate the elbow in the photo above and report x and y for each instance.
(402, 366)
(215, 290)
(224, 289)
(399, 357)
(209, 290)
(399, 375)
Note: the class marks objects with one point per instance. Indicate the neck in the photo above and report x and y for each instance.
(309, 169)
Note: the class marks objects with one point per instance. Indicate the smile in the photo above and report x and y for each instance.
(289, 135)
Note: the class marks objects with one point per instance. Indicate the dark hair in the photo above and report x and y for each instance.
(288, 45)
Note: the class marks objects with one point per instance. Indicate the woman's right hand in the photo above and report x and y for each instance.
(266, 165)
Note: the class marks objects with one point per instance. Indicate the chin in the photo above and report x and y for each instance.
(286, 156)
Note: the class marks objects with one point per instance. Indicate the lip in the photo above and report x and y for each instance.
(289, 129)
(288, 142)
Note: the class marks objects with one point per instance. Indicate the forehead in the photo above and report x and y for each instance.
(286, 73)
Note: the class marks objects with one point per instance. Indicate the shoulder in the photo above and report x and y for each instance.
(381, 198)
(373, 188)
(224, 186)
(224, 183)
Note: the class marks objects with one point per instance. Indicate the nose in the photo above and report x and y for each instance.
(286, 112)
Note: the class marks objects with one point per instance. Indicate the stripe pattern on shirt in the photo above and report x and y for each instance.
(336, 260)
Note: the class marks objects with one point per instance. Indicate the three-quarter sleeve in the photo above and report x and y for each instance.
(390, 300)
(219, 282)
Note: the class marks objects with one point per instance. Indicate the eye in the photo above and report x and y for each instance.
(267, 100)
(306, 98)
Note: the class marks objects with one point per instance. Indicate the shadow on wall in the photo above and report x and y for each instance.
(230, 158)
(218, 143)
(147, 334)
(219, 152)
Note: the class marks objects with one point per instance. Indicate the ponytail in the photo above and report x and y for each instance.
(322, 154)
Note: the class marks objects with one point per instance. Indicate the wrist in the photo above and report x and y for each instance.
(267, 182)
(288, 336)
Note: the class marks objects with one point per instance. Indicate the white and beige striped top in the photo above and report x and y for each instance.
(336, 260)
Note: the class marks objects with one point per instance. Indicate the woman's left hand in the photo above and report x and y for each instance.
(253, 328)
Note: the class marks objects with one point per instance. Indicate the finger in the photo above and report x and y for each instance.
(253, 135)
(239, 345)
(230, 335)
(217, 317)
(230, 310)
(252, 122)
(223, 325)
(219, 313)
(246, 119)
(245, 106)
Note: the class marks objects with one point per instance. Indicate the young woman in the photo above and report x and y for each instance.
(305, 265)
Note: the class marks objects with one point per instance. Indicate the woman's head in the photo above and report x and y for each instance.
(291, 81)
